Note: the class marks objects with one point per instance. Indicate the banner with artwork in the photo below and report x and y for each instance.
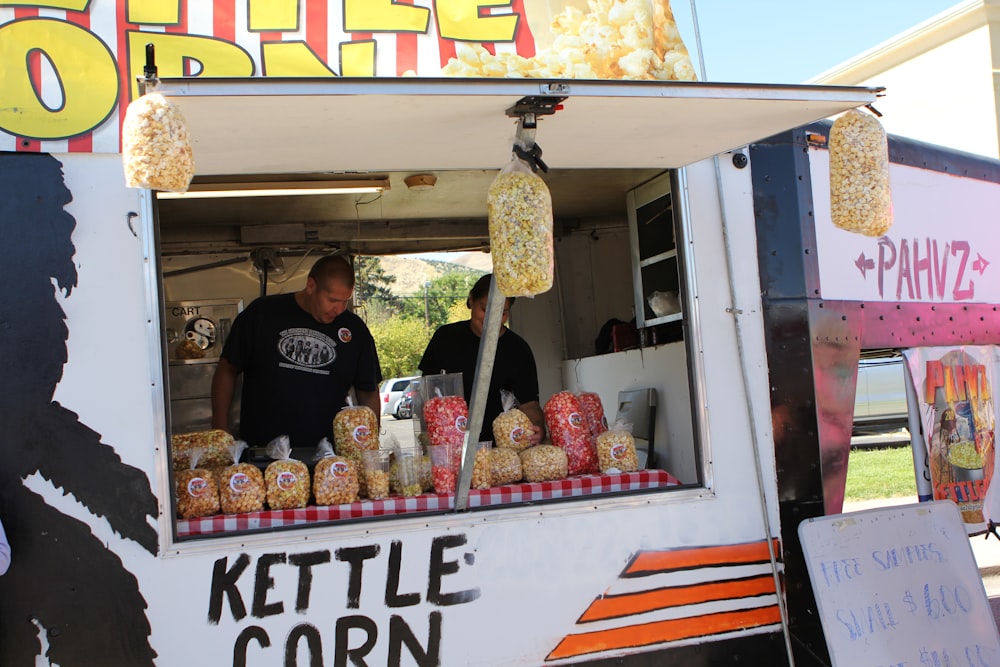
(954, 386)
(68, 68)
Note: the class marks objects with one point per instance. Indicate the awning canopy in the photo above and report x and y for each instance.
(269, 126)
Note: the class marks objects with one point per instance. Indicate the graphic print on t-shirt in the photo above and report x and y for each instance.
(306, 350)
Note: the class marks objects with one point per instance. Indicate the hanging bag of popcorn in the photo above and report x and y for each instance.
(156, 147)
(286, 479)
(241, 485)
(860, 198)
(519, 208)
(511, 427)
(197, 492)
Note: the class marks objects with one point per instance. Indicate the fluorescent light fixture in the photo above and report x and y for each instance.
(279, 189)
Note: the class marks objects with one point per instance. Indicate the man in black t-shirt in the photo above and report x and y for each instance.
(454, 349)
(299, 354)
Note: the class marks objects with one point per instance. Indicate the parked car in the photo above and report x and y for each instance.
(405, 408)
(390, 392)
(880, 402)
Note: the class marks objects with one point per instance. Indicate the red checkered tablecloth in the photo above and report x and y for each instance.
(511, 493)
(580, 485)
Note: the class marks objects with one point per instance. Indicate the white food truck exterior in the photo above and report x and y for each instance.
(700, 572)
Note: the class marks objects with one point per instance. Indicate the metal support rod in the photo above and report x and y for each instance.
(480, 389)
(204, 267)
(526, 127)
(148, 81)
(149, 69)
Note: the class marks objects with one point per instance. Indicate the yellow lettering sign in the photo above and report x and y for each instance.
(174, 53)
(292, 59)
(274, 15)
(460, 20)
(357, 58)
(153, 12)
(384, 16)
(87, 76)
(69, 5)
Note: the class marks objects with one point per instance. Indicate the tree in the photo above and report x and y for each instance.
(400, 342)
(443, 293)
(373, 287)
(458, 312)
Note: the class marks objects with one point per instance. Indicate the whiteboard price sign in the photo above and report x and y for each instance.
(899, 587)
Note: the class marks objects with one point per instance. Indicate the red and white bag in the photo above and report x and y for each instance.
(569, 431)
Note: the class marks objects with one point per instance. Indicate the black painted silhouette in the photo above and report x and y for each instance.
(62, 578)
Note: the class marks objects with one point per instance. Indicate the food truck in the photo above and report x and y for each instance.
(700, 209)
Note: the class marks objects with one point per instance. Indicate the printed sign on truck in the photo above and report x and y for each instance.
(940, 248)
(68, 67)
(954, 386)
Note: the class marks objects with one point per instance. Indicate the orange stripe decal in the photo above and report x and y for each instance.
(652, 562)
(646, 634)
(627, 604)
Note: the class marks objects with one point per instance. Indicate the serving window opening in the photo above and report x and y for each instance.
(612, 326)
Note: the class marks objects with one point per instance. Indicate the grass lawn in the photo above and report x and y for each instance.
(880, 473)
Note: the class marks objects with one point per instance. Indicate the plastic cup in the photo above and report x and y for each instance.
(376, 471)
(444, 472)
(482, 476)
(408, 472)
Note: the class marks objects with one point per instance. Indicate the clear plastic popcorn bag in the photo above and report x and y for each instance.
(446, 419)
(335, 478)
(286, 479)
(616, 449)
(214, 445)
(593, 410)
(519, 209)
(241, 485)
(156, 147)
(599, 39)
(355, 431)
(505, 466)
(568, 428)
(197, 493)
(376, 465)
(544, 463)
(511, 427)
(860, 198)
(482, 469)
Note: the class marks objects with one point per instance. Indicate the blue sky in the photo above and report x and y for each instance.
(791, 41)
